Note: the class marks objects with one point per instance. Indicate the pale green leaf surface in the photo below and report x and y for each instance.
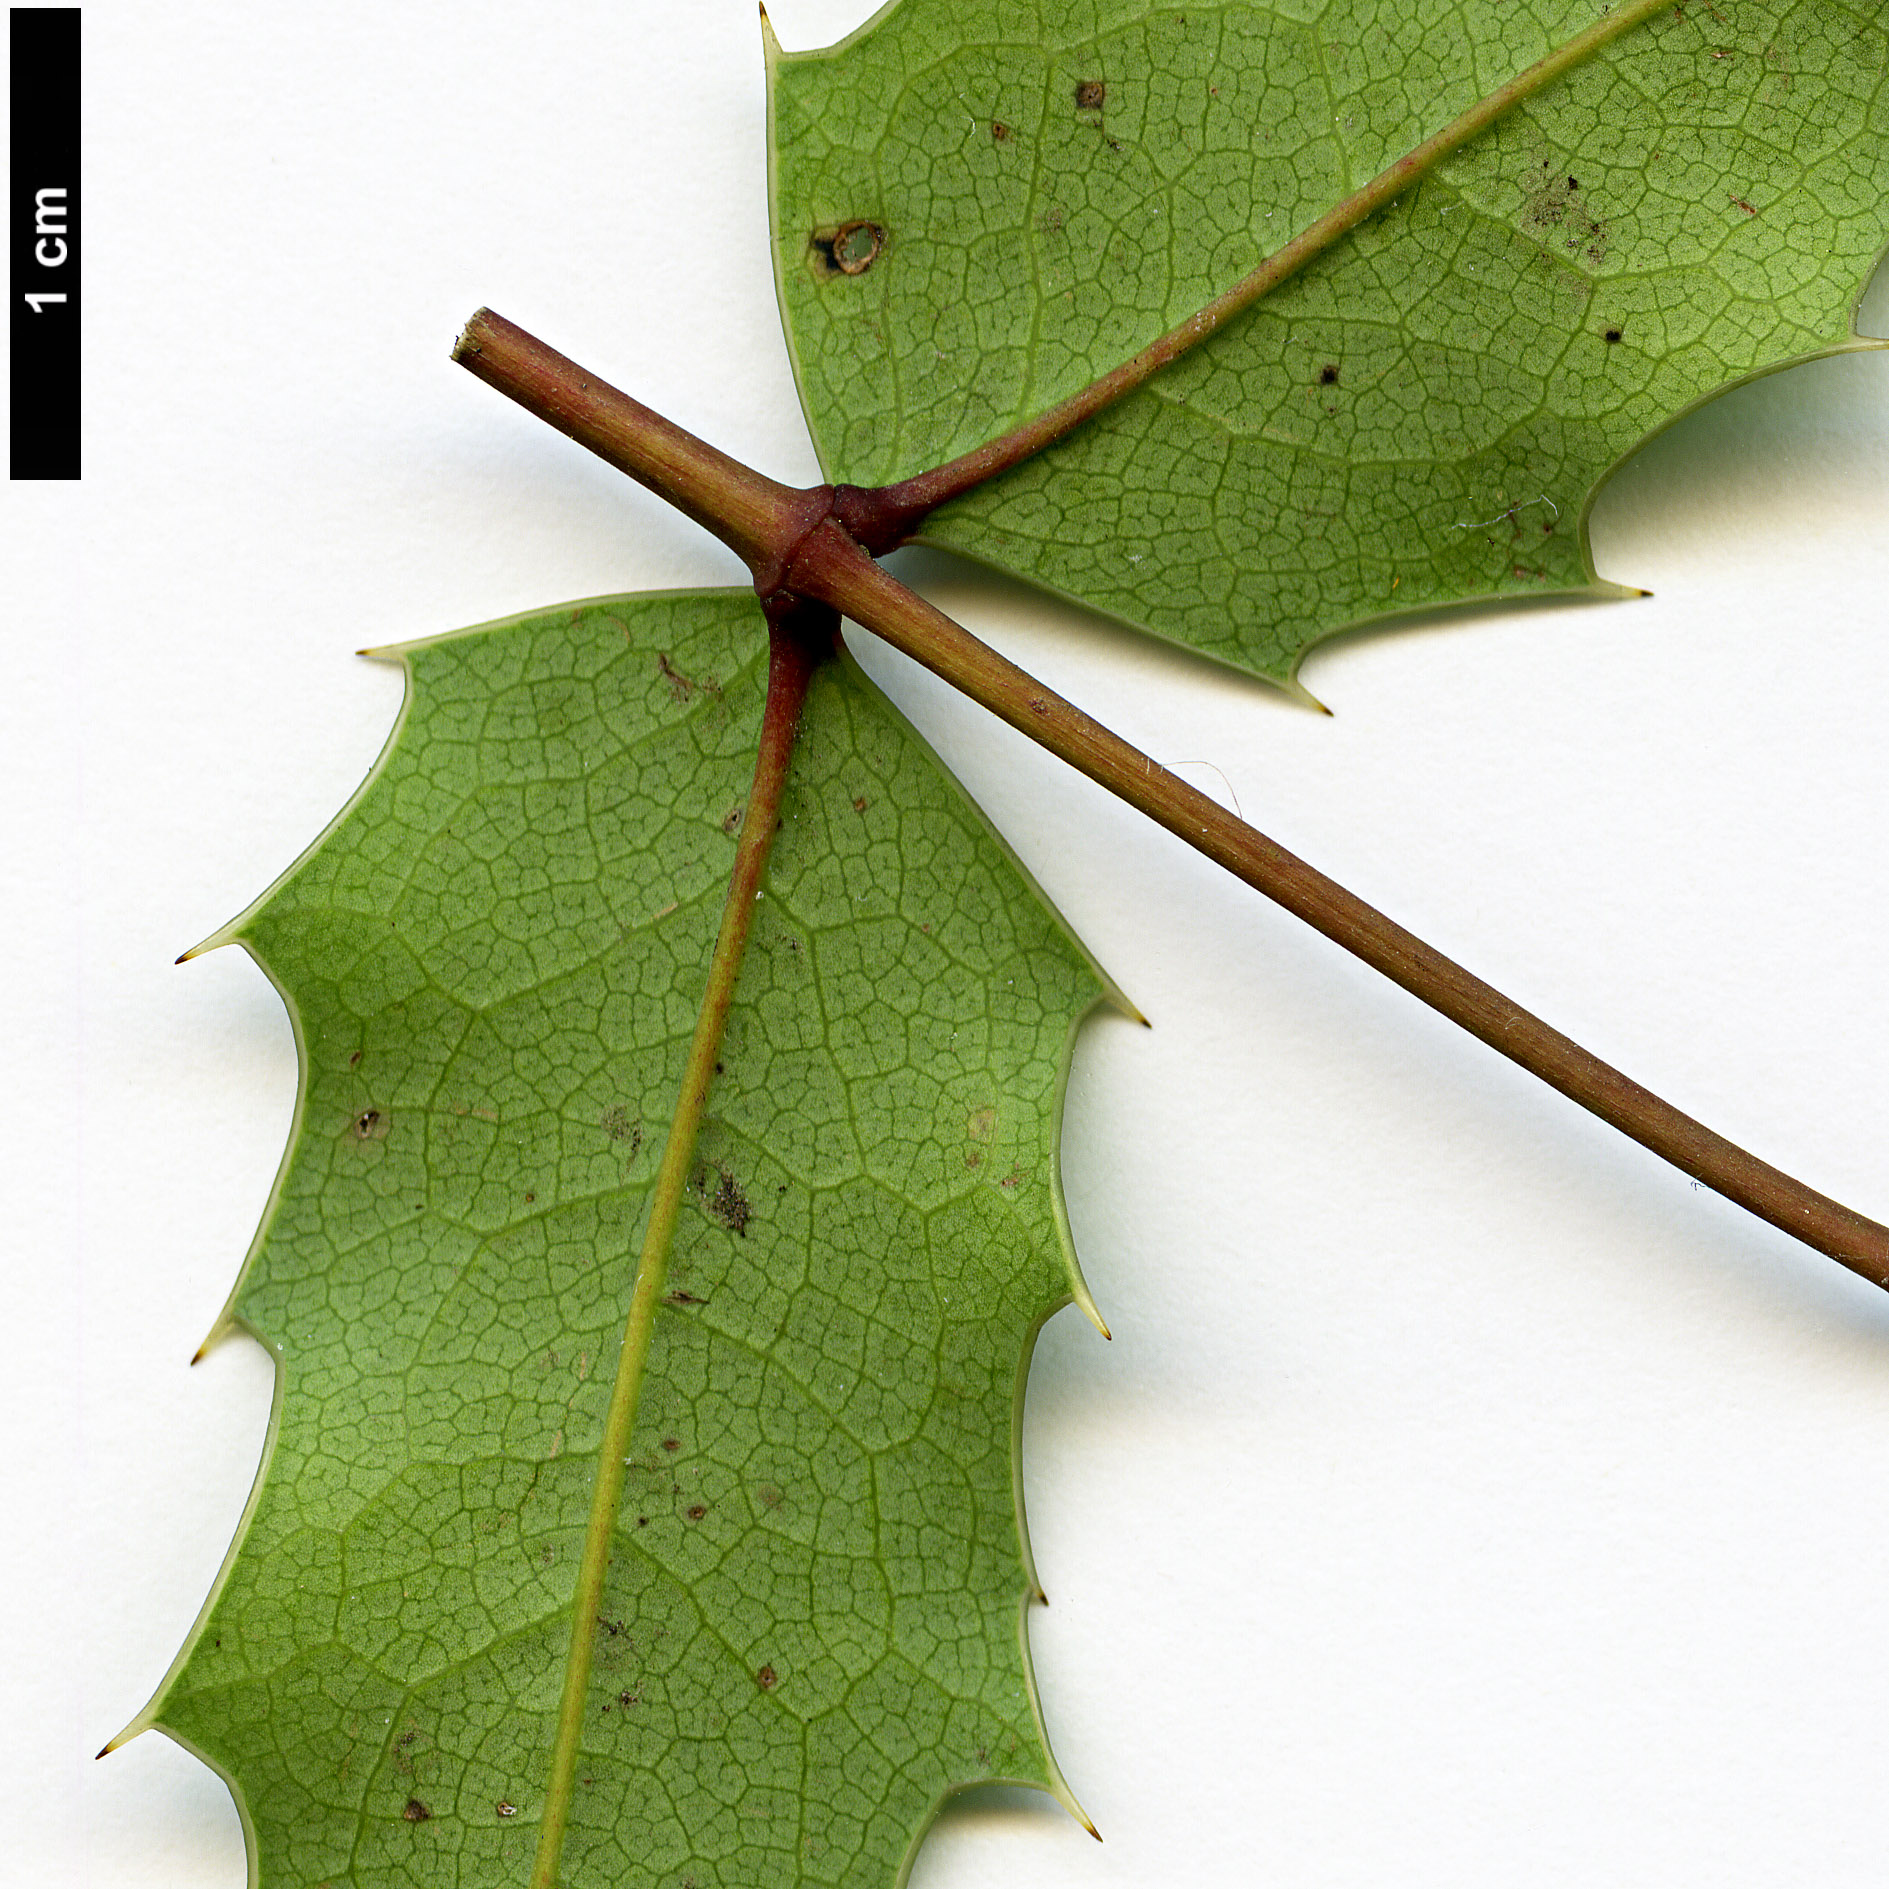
(1421, 416)
(813, 1624)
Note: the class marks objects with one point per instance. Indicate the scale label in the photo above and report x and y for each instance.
(43, 235)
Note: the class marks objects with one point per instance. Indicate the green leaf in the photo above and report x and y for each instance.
(812, 1631)
(1422, 415)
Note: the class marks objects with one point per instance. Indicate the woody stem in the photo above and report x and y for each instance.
(798, 548)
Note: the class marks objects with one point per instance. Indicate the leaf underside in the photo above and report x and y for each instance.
(813, 1623)
(1421, 416)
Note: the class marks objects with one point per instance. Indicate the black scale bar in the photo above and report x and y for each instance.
(43, 240)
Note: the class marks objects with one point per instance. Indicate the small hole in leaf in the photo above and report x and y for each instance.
(1328, 375)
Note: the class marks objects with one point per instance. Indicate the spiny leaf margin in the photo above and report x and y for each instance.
(1581, 287)
(414, 1425)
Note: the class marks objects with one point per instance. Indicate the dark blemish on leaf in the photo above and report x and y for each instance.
(725, 1203)
(973, 1159)
(672, 1444)
(416, 1812)
(1740, 203)
(370, 1125)
(354, 1059)
(642, 1521)
(770, 1496)
(1090, 94)
(1054, 218)
(530, 1199)
(1328, 375)
(860, 805)
(731, 820)
(505, 1808)
(718, 1069)
(1612, 335)
(766, 1679)
(611, 1627)
(619, 1126)
(999, 131)
(629, 1698)
(1555, 203)
(851, 249)
(680, 1297)
(682, 688)
(697, 1510)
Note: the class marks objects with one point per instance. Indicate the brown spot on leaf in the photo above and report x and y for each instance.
(416, 1812)
(770, 1496)
(680, 1297)
(1740, 204)
(354, 1059)
(999, 131)
(861, 804)
(505, 1808)
(851, 249)
(1090, 95)
(672, 1444)
(697, 1510)
(731, 820)
(372, 1124)
(766, 1679)
(1328, 374)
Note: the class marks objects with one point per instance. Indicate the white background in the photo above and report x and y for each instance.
(1465, 1498)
